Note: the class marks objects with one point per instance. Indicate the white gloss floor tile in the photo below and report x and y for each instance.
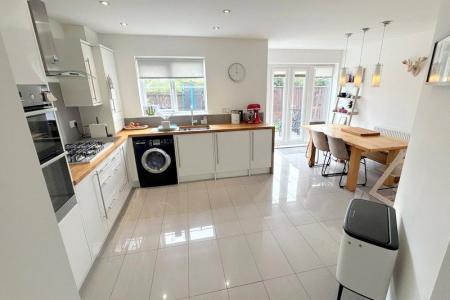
(171, 274)
(135, 277)
(269, 258)
(321, 241)
(250, 291)
(285, 288)
(320, 284)
(298, 252)
(259, 237)
(238, 263)
(205, 268)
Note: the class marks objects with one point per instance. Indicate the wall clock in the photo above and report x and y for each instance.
(236, 72)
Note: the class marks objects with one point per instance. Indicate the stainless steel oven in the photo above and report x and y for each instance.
(43, 124)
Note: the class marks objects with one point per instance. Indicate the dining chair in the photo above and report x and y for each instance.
(339, 150)
(320, 141)
(315, 123)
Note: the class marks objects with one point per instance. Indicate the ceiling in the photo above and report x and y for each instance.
(289, 24)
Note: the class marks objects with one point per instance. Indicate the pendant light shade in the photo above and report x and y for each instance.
(343, 74)
(376, 76)
(360, 70)
(358, 76)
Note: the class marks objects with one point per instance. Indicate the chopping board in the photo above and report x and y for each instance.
(360, 131)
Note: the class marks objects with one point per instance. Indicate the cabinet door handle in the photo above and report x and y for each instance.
(253, 146)
(178, 152)
(91, 78)
(217, 148)
(101, 194)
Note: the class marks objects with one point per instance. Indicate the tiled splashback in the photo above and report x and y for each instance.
(184, 120)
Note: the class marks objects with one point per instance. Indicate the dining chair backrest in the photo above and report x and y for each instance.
(320, 141)
(338, 148)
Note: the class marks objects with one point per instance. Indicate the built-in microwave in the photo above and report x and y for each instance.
(43, 124)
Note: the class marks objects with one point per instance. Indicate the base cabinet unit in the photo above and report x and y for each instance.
(100, 196)
(232, 153)
(261, 150)
(75, 243)
(78, 91)
(223, 154)
(195, 156)
(93, 212)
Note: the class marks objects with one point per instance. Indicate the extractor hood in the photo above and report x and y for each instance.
(46, 43)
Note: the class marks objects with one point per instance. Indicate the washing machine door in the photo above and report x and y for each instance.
(155, 160)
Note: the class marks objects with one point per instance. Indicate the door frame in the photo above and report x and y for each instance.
(290, 70)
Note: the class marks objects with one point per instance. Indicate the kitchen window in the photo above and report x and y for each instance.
(176, 84)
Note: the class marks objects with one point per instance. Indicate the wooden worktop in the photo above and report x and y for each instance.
(80, 171)
(365, 143)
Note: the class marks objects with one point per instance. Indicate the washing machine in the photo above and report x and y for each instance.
(155, 160)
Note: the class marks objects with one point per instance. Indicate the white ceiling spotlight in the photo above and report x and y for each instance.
(216, 27)
(123, 24)
(226, 11)
(104, 3)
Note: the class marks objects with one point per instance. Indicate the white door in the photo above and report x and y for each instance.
(298, 94)
(195, 154)
(232, 151)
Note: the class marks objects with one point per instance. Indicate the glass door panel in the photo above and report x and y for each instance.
(278, 102)
(297, 104)
(323, 79)
(299, 94)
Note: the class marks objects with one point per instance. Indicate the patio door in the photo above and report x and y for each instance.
(298, 94)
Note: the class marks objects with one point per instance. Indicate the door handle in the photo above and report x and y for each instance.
(217, 148)
(178, 152)
(101, 194)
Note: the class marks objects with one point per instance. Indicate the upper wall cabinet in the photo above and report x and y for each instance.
(109, 86)
(78, 55)
(16, 28)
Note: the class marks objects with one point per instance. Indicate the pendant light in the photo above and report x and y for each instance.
(376, 77)
(343, 74)
(360, 70)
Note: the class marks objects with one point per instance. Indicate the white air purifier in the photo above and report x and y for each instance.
(368, 249)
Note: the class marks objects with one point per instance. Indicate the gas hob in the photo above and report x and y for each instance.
(85, 151)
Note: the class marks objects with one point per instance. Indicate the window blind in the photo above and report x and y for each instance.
(152, 68)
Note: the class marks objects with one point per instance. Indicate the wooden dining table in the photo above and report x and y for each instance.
(359, 145)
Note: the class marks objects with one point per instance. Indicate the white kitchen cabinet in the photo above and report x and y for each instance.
(232, 153)
(77, 55)
(114, 184)
(195, 156)
(16, 28)
(261, 149)
(76, 245)
(93, 212)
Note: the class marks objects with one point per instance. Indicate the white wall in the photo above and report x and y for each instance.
(304, 56)
(394, 103)
(423, 198)
(218, 53)
(33, 261)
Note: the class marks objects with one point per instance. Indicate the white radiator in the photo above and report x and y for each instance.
(393, 133)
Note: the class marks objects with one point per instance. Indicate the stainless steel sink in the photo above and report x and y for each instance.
(194, 127)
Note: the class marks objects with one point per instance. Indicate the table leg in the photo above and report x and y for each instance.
(311, 153)
(390, 158)
(353, 169)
